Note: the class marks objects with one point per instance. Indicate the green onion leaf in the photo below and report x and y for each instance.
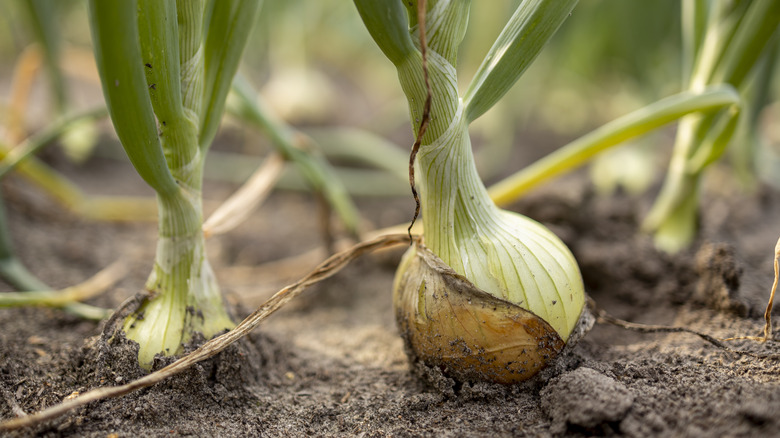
(532, 25)
(118, 56)
(632, 125)
(158, 31)
(229, 27)
(754, 33)
(388, 23)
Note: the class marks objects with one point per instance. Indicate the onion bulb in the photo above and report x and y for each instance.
(449, 323)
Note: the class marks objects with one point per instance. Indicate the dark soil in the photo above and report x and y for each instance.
(332, 363)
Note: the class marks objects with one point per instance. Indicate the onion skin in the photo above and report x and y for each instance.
(448, 323)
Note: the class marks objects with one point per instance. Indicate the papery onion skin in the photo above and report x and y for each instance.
(470, 335)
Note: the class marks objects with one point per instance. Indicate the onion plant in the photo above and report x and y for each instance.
(166, 68)
(726, 41)
(500, 253)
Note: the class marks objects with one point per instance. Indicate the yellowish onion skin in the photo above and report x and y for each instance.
(450, 324)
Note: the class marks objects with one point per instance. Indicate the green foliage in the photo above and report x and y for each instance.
(229, 26)
(521, 41)
(118, 57)
(388, 24)
(737, 36)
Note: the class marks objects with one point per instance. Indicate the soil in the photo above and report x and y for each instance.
(332, 364)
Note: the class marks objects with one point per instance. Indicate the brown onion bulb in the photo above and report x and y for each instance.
(449, 323)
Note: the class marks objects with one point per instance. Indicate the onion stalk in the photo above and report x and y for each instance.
(166, 68)
(496, 259)
(736, 37)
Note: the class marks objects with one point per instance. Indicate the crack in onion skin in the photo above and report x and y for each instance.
(449, 323)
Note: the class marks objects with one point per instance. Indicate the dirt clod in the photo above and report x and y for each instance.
(586, 400)
(719, 279)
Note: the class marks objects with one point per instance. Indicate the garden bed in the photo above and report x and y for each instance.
(332, 363)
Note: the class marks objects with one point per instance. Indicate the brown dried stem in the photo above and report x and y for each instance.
(603, 317)
(768, 311)
(237, 208)
(426, 113)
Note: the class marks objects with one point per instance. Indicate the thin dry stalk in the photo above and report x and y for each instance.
(768, 312)
(94, 286)
(247, 198)
(266, 278)
(603, 317)
(426, 113)
(325, 270)
(24, 74)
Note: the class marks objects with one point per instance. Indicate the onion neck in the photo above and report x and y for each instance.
(454, 202)
(503, 253)
(184, 295)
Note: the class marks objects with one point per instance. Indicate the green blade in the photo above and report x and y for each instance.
(312, 165)
(158, 31)
(118, 57)
(694, 22)
(532, 25)
(161, 44)
(388, 24)
(634, 124)
(34, 143)
(753, 35)
(230, 24)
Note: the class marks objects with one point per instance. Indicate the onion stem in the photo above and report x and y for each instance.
(166, 68)
(632, 125)
(737, 37)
